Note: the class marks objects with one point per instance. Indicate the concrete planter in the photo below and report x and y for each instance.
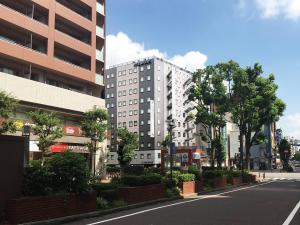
(28, 209)
(219, 182)
(198, 186)
(187, 187)
(133, 195)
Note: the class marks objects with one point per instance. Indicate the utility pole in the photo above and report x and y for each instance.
(171, 126)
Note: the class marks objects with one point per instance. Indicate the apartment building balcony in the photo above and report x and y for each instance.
(40, 93)
(28, 9)
(100, 55)
(79, 7)
(169, 105)
(99, 31)
(100, 7)
(99, 79)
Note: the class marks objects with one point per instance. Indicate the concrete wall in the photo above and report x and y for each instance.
(36, 92)
(11, 168)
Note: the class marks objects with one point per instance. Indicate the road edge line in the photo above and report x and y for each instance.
(292, 214)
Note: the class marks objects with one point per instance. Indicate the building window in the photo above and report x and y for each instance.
(130, 123)
(112, 115)
(120, 93)
(107, 86)
(112, 105)
(158, 144)
(124, 124)
(119, 114)
(142, 122)
(158, 99)
(158, 78)
(179, 134)
(148, 88)
(148, 111)
(158, 68)
(149, 144)
(119, 125)
(130, 113)
(107, 96)
(107, 76)
(135, 101)
(119, 104)
(112, 95)
(112, 126)
(141, 68)
(107, 106)
(142, 134)
(130, 81)
(124, 72)
(148, 155)
(142, 79)
(124, 114)
(158, 88)
(158, 110)
(158, 121)
(141, 100)
(124, 103)
(130, 71)
(158, 155)
(148, 78)
(149, 122)
(112, 85)
(135, 156)
(179, 124)
(135, 80)
(135, 123)
(135, 112)
(148, 67)
(112, 75)
(124, 83)
(148, 99)
(134, 70)
(119, 73)
(134, 91)
(142, 90)
(130, 91)
(130, 102)
(158, 133)
(119, 83)
(142, 111)
(124, 93)
(142, 155)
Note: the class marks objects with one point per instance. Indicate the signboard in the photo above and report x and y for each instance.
(196, 155)
(72, 130)
(69, 147)
(184, 157)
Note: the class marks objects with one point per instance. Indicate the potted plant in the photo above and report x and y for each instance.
(215, 178)
(187, 183)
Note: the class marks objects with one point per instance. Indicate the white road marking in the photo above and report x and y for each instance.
(291, 216)
(178, 203)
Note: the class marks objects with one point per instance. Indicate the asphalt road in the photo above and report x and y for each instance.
(265, 204)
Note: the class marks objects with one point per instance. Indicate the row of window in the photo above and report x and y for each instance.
(142, 156)
(130, 81)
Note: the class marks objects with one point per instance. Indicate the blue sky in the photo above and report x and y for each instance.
(195, 33)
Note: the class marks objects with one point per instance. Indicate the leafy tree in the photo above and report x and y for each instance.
(48, 128)
(94, 125)
(127, 144)
(212, 104)
(297, 156)
(254, 103)
(284, 150)
(7, 106)
(166, 141)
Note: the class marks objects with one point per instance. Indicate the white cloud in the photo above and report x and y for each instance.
(290, 124)
(121, 49)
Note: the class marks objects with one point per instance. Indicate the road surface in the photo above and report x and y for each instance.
(272, 203)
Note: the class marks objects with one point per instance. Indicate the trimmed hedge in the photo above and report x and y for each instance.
(194, 170)
(99, 188)
(186, 177)
(211, 174)
(111, 169)
(147, 179)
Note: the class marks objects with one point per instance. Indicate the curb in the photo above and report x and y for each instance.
(67, 219)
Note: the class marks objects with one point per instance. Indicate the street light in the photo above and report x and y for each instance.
(26, 135)
(171, 126)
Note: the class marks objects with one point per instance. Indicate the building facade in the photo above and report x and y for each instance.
(52, 57)
(142, 95)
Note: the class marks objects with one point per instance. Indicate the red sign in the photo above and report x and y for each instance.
(72, 130)
(59, 148)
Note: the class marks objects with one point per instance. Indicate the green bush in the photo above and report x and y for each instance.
(186, 177)
(152, 170)
(118, 203)
(101, 203)
(98, 188)
(211, 174)
(194, 170)
(113, 169)
(147, 179)
(230, 174)
(70, 172)
(109, 195)
(37, 180)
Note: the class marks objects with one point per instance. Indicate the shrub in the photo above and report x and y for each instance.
(194, 170)
(211, 174)
(109, 195)
(37, 180)
(101, 203)
(134, 170)
(132, 180)
(118, 203)
(152, 170)
(186, 177)
(113, 169)
(100, 187)
(71, 172)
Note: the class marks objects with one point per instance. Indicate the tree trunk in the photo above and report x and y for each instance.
(241, 150)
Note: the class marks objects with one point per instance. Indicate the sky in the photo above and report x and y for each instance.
(197, 33)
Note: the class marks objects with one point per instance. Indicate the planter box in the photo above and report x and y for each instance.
(28, 209)
(219, 182)
(249, 178)
(133, 195)
(187, 187)
(236, 181)
(198, 186)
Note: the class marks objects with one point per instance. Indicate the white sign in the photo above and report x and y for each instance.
(184, 157)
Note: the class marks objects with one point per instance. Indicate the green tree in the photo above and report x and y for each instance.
(48, 128)
(166, 141)
(254, 103)
(7, 107)
(94, 125)
(284, 150)
(127, 144)
(212, 103)
(297, 156)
